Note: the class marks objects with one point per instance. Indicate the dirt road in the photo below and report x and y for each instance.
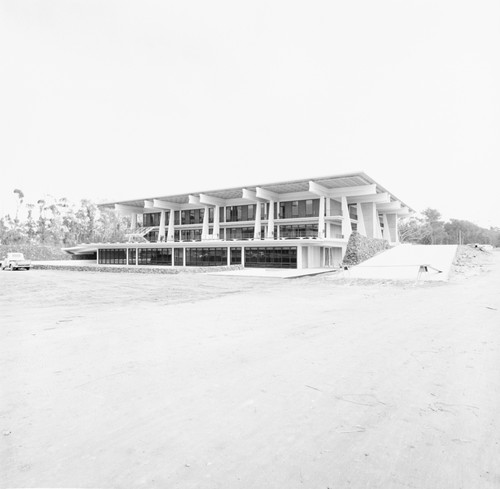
(197, 381)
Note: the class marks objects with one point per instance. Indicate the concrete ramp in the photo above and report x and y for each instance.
(408, 262)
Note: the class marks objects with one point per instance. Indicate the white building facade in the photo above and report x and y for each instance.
(292, 224)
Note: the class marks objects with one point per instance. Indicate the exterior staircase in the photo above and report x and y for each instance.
(137, 235)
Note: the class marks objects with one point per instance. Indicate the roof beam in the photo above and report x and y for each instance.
(194, 200)
(128, 209)
(210, 200)
(266, 194)
(165, 204)
(251, 195)
(353, 191)
(335, 193)
(390, 207)
(381, 198)
(404, 211)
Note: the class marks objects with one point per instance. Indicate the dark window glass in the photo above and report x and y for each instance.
(279, 257)
(299, 208)
(205, 257)
(240, 233)
(155, 256)
(116, 256)
(191, 234)
(152, 219)
(299, 231)
(131, 256)
(235, 256)
(178, 257)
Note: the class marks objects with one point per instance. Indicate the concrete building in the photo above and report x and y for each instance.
(291, 224)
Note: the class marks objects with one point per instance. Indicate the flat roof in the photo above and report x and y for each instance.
(290, 186)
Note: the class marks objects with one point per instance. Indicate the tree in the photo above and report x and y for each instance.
(414, 230)
(433, 218)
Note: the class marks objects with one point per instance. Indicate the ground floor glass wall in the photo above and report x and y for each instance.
(155, 256)
(116, 256)
(279, 257)
(205, 257)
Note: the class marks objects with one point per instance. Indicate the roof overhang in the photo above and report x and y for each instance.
(335, 186)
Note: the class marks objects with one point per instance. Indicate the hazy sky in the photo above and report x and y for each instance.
(126, 99)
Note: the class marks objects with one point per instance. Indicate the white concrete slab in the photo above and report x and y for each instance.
(403, 263)
(273, 272)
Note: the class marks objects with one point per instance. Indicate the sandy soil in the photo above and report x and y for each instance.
(200, 381)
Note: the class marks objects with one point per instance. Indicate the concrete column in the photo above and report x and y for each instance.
(370, 216)
(378, 229)
(299, 257)
(258, 213)
(170, 231)
(361, 220)
(133, 220)
(321, 220)
(346, 218)
(392, 223)
(216, 230)
(161, 232)
(371, 219)
(386, 232)
(204, 230)
(270, 221)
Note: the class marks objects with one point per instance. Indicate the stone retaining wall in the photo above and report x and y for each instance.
(360, 248)
(167, 270)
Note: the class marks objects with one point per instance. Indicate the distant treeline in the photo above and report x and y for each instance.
(431, 229)
(59, 222)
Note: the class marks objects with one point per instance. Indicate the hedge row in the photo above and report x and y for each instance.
(133, 269)
(360, 248)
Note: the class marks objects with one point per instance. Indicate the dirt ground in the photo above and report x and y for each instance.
(202, 381)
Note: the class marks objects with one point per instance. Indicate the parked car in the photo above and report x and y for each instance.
(15, 261)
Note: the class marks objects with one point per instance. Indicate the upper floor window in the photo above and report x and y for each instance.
(299, 208)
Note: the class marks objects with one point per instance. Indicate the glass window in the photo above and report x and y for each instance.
(151, 219)
(155, 256)
(299, 231)
(276, 257)
(205, 257)
(235, 256)
(116, 256)
(178, 257)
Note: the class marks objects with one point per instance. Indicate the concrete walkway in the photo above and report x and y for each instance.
(274, 272)
(404, 261)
